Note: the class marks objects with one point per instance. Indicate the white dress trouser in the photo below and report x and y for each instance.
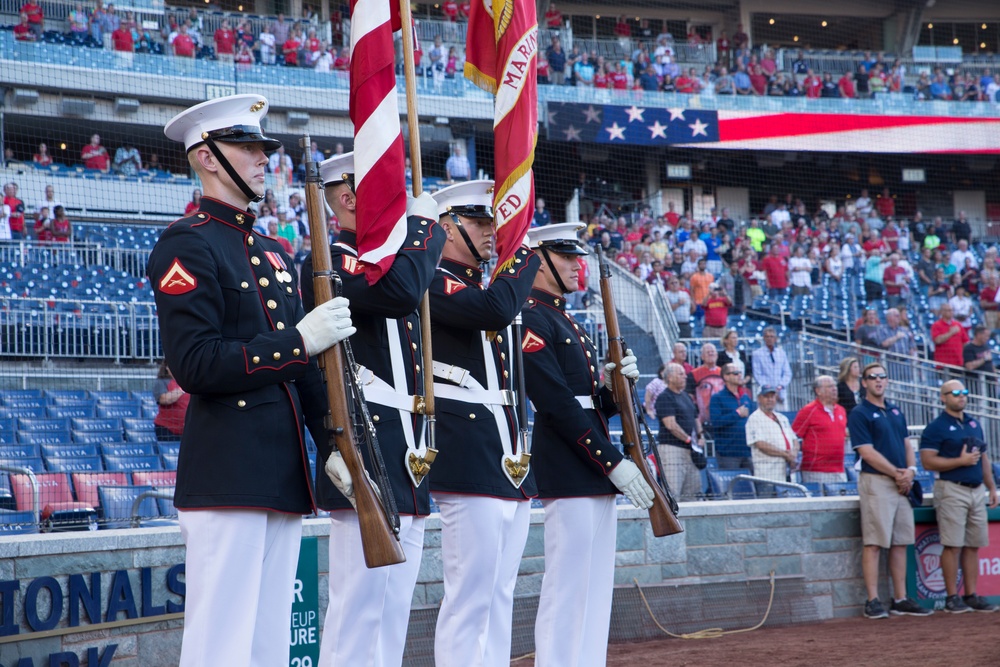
(369, 609)
(482, 540)
(574, 608)
(240, 577)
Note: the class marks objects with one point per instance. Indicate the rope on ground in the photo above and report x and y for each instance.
(707, 633)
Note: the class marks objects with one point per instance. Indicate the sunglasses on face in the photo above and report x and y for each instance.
(733, 373)
(876, 376)
(958, 392)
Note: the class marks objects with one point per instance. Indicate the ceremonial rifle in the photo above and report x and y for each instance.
(663, 513)
(375, 504)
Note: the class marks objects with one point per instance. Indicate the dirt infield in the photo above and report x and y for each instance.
(941, 640)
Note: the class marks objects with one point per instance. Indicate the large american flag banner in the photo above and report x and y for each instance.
(379, 158)
(640, 125)
(501, 53)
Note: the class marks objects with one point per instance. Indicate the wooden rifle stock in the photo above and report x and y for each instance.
(378, 538)
(661, 518)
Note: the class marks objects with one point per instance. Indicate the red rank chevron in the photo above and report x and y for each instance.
(379, 158)
(532, 342)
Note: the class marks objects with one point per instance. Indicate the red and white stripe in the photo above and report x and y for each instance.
(379, 158)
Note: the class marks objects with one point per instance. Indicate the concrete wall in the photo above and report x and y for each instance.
(814, 541)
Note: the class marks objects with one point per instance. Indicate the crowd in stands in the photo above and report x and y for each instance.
(93, 157)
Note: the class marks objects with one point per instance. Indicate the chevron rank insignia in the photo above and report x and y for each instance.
(532, 342)
(352, 265)
(451, 286)
(177, 280)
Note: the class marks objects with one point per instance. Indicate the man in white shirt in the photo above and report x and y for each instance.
(961, 254)
(457, 167)
(770, 365)
(50, 202)
(780, 215)
(773, 444)
(863, 205)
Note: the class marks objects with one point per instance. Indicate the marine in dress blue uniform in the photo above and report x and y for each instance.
(574, 462)
(477, 483)
(368, 611)
(234, 335)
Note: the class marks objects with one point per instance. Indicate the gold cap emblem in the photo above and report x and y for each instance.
(258, 105)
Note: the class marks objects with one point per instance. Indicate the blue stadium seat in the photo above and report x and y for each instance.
(174, 448)
(32, 463)
(140, 436)
(13, 522)
(161, 479)
(13, 394)
(6, 495)
(170, 463)
(85, 409)
(37, 411)
(119, 410)
(97, 437)
(44, 437)
(85, 485)
(75, 394)
(138, 424)
(76, 449)
(20, 404)
(720, 480)
(74, 464)
(96, 424)
(166, 507)
(125, 449)
(23, 450)
(132, 463)
(111, 396)
(70, 401)
(116, 504)
(36, 425)
(840, 489)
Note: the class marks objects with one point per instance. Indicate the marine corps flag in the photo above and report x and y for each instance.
(501, 53)
(379, 159)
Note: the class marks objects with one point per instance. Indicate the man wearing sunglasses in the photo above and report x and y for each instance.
(888, 466)
(953, 446)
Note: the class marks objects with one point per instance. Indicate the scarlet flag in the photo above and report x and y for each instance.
(379, 159)
(501, 53)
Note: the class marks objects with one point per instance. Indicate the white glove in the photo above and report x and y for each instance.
(629, 369)
(337, 471)
(423, 206)
(628, 479)
(326, 326)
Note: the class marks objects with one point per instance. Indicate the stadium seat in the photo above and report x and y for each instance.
(840, 489)
(84, 409)
(126, 449)
(74, 449)
(85, 485)
(38, 411)
(6, 394)
(157, 478)
(111, 396)
(20, 451)
(170, 463)
(131, 463)
(53, 490)
(97, 437)
(71, 401)
(116, 503)
(96, 424)
(74, 464)
(32, 463)
(35, 424)
(13, 522)
(720, 480)
(6, 494)
(140, 436)
(119, 410)
(174, 448)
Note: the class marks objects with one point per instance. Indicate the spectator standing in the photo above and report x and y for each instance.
(290, 48)
(776, 270)
(15, 208)
(705, 380)
(194, 204)
(457, 167)
(541, 217)
(110, 21)
(679, 431)
(977, 357)
(961, 230)
(850, 391)
(553, 17)
(280, 164)
(225, 41)
(988, 302)
(953, 445)
(127, 159)
(700, 283)
(731, 353)
(716, 312)
(557, 62)
(267, 45)
(49, 201)
(680, 303)
(5, 234)
(62, 228)
(42, 157)
(173, 402)
(122, 40)
(78, 24)
(894, 280)
(281, 29)
(183, 44)
(874, 275)
(800, 271)
(272, 232)
(95, 156)
(681, 357)
(729, 410)
(36, 17)
(583, 71)
(822, 427)
(773, 445)
(878, 435)
(770, 365)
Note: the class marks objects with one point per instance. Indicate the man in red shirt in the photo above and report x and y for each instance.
(94, 155)
(686, 84)
(36, 18)
(225, 41)
(121, 40)
(619, 78)
(885, 204)
(553, 17)
(875, 242)
(894, 279)
(291, 50)
(776, 269)
(464, 10)
(672, 216)
(813, 85)
(716, 312)
(949, 338)
(16, 219)
(183, 43)
(846, 85)
(23, 31)
(450, 9)
(822, 427)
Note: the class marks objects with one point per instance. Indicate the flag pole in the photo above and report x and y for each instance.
(416, 169)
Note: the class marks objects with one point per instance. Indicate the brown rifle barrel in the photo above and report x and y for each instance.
(662, 520)
(378, 540)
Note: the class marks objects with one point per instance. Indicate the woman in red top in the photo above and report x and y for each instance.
(601, 76)
(173, 402)
(42, 157)
(43, 226)
(194, 204)
(62, 228)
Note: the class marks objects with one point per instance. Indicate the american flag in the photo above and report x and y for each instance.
(642, 125)
(379, 157)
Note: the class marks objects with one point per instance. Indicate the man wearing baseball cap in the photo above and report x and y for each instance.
(235, 338)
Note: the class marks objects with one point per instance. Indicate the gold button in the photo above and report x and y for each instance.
(581, 339)
(264, 282)
(556, 301)
(587, 442)
(588, 354)
(249, 240)
(499, 338)
(517, 261)
(255, 261)
(595, 383)
(569, 341)
(472, 415)
(409, 325)
(202, 216)
(241, 403)
(503, 356)
(506, 374)
(423, 222)
(417, 367)
(244, 284)
(256, 359)
(510, 270)
(608, 464)
(276, 355)
(272, 304)
(416, 243)
(576, 326)
(374, 418)
(598, 452)
(531, 301)
(289, 289)
(413, 345)
(296, 352)
(280, 326)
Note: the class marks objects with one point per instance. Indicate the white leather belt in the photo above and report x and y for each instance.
(455, 375)
(586, 402)
(479, 396)
(378, 391)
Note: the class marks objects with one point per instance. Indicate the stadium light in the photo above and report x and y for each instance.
(25, 96)
(770, 21)
(823, 24)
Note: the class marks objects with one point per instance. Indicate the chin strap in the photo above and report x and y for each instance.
(465, 237)
(552, 268)
(237, 179)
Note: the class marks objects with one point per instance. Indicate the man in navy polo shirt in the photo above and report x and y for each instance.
(888, 465)
(953, 446)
